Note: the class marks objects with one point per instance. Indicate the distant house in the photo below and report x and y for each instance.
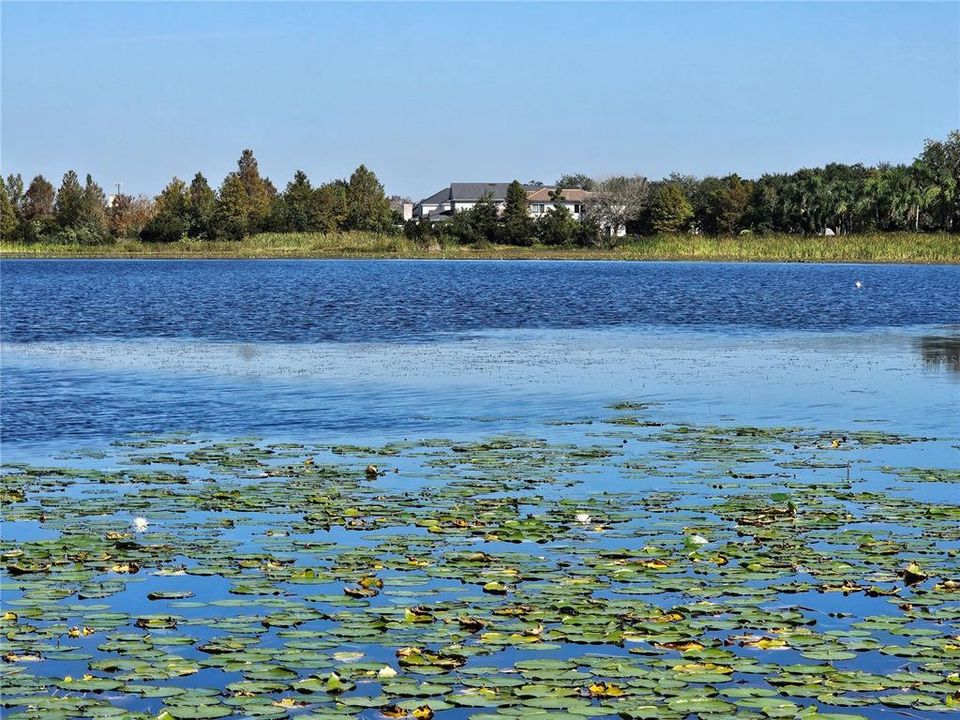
(463, 196)
(574, 199)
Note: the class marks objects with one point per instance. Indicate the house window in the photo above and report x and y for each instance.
(538, 208)
(578, 208)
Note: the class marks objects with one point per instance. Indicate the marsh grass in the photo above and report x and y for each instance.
(880, 248)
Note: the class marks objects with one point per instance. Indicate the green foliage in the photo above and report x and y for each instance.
(201, 208)
(259, 192)
(576, 181)
(670, 211)
(232, 216)
(518, 226)
(721, 205)
(367, 205)
(839, 198)
(295, 210)
(9, 222)
(331, 206)
(94, 217)
(69, 205)
(164, 227)
(558, 226)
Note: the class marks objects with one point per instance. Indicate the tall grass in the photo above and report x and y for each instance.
(884, 248)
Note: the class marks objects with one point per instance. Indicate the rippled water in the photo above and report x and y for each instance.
(308, 348)
(302, 301)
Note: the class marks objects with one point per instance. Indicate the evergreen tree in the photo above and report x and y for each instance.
(14, 188)
(482, 221)
(297, 211)
(367, 205)
(70, 202)
(557, 227)
(671, 211)
(94, 209)
(172, 200)
(231, 219)
(171, 221)
(518, 227)
(38, 200)
(201, 207)
(9, 222)
(259, 192)
(579, 181)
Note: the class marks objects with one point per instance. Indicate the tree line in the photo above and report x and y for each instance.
(245, 203)
(923, 196)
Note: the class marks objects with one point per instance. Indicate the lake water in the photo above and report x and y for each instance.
(669, 402)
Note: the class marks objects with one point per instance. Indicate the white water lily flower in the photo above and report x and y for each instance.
(140, 524)
(387, 672)
(698, 540)
(582, 518)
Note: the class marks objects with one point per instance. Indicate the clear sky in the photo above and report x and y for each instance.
(426, 94)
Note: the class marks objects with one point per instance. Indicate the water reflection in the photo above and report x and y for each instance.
(941, 352)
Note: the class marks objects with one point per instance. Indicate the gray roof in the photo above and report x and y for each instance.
(471, 192)
(437, 198)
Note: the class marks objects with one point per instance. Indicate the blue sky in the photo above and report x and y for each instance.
(430, 93)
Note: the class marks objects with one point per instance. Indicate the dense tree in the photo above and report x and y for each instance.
(367, 205)
(576, 181)
(38, 200)
(331, 206)
(259, 192)
(836, 198)
(942, 161)
(164, 227)
(232, 217)
(127, 216)
(9, 222)
(171, 219)
(14, 188)
(518, 226)
(172, 200)
(670, 211)
(201, 208)
(558, 226)
(296, 209)
(94, 208)
(68, 207)
(721, 205)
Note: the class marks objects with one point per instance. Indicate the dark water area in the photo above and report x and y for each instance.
(303, 301)
(382, 349)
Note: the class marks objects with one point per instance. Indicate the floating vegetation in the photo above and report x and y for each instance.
(656, 571)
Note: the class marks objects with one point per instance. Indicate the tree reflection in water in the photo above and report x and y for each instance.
(941, 351)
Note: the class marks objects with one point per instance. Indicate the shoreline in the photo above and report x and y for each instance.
(890, 248)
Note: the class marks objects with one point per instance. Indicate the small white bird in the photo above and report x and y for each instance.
(140, 524)
(858, 284)
(582, 518)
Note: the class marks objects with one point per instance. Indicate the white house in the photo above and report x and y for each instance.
(574, 199)
(463, 196)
